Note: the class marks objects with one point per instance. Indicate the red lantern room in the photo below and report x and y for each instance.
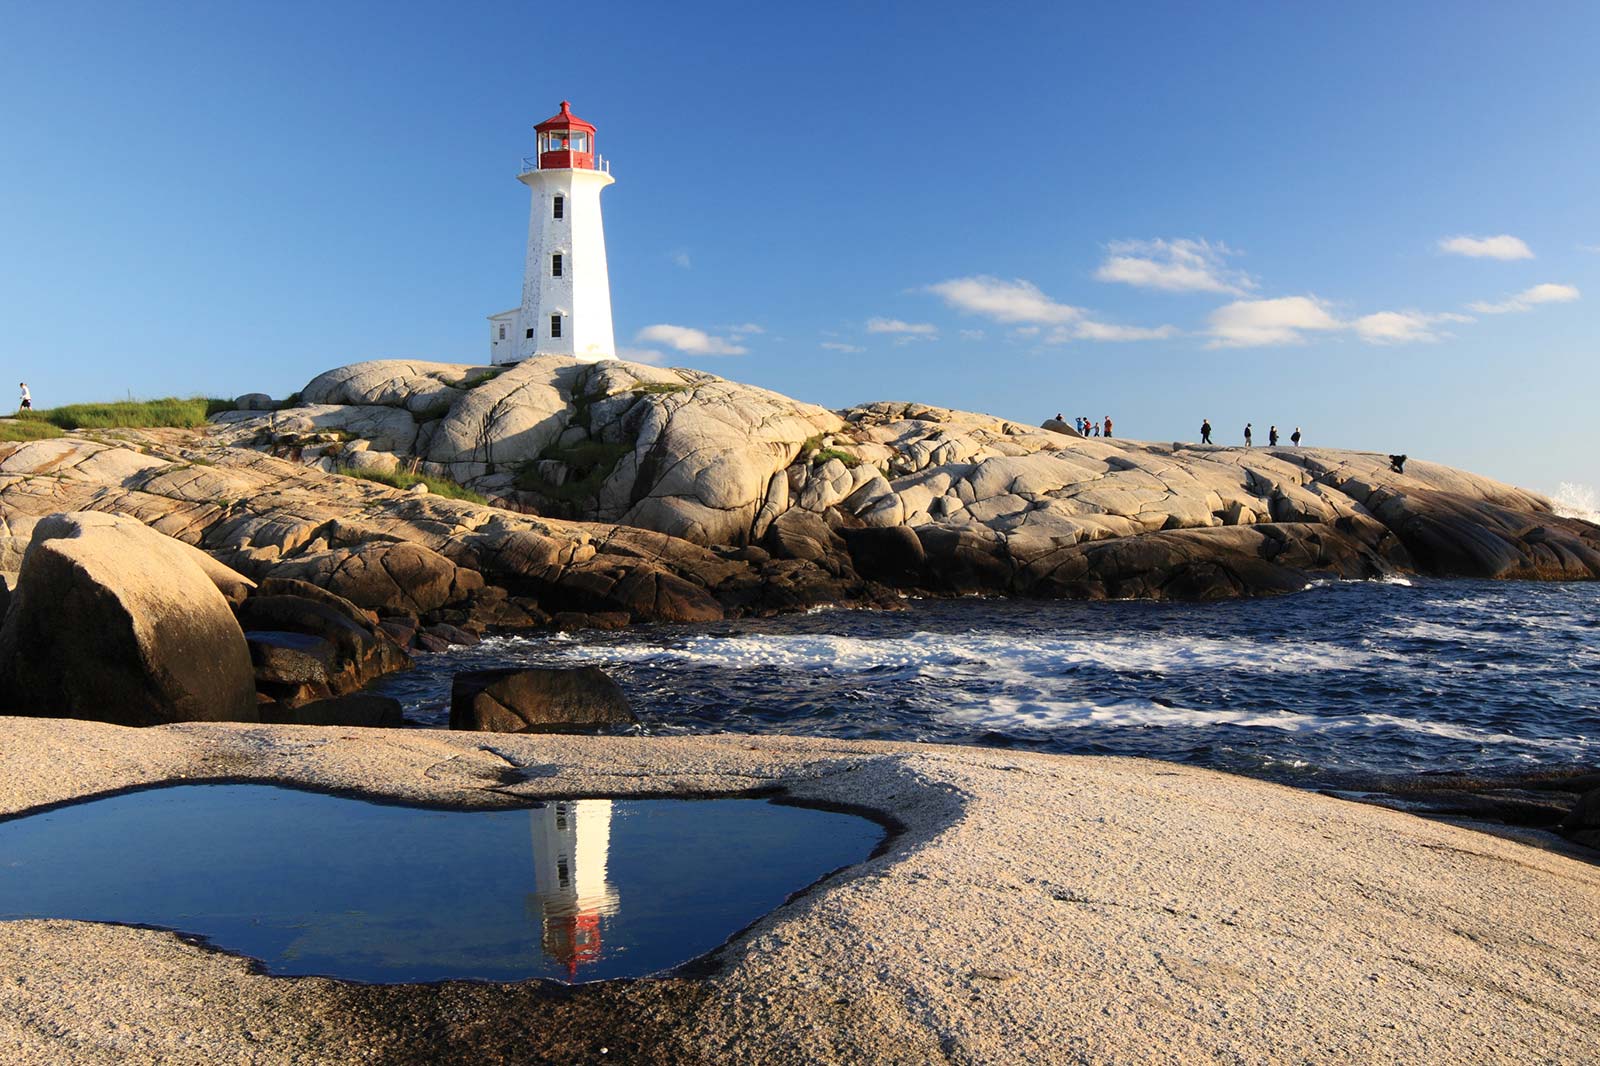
(566, 142)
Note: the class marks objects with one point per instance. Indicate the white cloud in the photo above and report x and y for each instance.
(642, 355)
(1175, 266)
(1104, 331)
(894, 325)
(972, 334)
(1403, 327)
(1504, 246)
(1004, 301)
(744, 329)
(682, 260)
(840, 346)
(688, 340)
(1252, 323)
(1527, 299)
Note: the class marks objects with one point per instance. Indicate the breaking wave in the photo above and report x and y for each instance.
(1345, 678)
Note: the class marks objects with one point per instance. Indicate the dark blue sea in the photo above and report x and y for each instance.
(1318, 689)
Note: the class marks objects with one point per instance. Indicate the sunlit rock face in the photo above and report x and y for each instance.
(980, 503)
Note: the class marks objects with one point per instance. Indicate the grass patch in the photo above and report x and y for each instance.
(438, 486)
(822, 455)
(482, 376)
(131, 414)
(13, 429)
(589, 463)
(658, 388)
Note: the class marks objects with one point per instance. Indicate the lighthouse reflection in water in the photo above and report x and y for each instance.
(308, 883)
(572, 898)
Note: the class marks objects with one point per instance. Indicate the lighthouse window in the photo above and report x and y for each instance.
(560, 207)
(529, 334)
(555, 265)
(580, 142)
(555, 325)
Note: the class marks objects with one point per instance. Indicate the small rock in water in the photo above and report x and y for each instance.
(537, 701)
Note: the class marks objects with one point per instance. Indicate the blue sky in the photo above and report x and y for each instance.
(1376, 221)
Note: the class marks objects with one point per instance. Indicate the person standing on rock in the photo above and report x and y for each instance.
(1205, 431)
(1247, 443)
(1272, 436)
(1108, 425)
(27, 397)
(1294, 438)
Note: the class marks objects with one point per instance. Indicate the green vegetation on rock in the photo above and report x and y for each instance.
(14, 429)
(588, 463)
(659, 388)
(132, 414)
(439, 486)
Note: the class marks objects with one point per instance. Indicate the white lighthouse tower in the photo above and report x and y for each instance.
(566, 289)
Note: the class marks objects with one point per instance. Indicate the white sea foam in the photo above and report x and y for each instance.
(996, 655)
(1004, 714)
(1577, 501)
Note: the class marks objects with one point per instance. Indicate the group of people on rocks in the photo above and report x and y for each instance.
(1087, 427)
(1249, 435)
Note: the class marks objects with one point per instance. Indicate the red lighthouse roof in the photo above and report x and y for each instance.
(564, 121)
(566, 142)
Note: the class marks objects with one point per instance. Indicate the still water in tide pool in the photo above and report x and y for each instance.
(1326, 687)
(308, 883)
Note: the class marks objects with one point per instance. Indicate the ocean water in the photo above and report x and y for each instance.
(1323, 688)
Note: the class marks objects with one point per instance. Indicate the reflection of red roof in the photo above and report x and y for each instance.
(564, 121)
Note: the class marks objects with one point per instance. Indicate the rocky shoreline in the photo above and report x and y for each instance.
(1028, 908)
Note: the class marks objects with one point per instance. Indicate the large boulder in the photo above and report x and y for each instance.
(116, 622)
(537, 701)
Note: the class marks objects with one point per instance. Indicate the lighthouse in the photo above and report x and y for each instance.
(566, 289)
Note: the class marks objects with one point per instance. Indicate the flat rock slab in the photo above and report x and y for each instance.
(1031, 908)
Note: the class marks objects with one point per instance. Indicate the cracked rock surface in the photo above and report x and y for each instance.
(970, 502)
(1030, 908)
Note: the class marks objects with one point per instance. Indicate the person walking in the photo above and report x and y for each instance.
(1205, 431)
(1108, 425)
(1247, 443)
(1294, 438)
(1272, 436)
(27, 397)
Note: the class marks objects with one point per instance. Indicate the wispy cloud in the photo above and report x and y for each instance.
(1179, 265)
(1403, 327)
(894, 325)
(1088, 330)
(1589, 247)
(1528, 299)
(1284, 320)
(1288, 319)
(744, 329)
(688, 340)
(1504, 246)
(1004, 301)
(972, 334)
(841, 346)
(681, 260)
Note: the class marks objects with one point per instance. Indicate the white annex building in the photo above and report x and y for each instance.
(566, 290)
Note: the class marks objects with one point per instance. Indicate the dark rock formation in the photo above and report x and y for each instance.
(537, 701)
(115, 622)
(361, 709)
